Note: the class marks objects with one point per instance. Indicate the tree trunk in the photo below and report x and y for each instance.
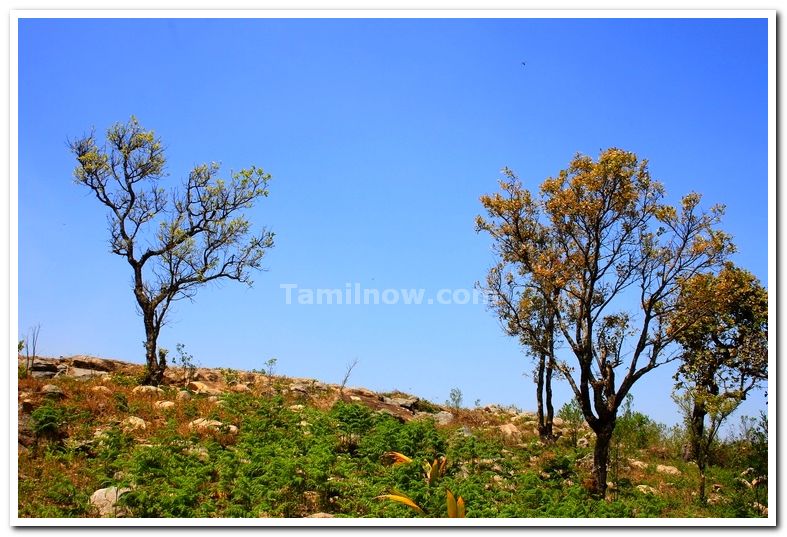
(601, 458)
(540, 397)
(154, 371)
(548, 395)
(698, 443)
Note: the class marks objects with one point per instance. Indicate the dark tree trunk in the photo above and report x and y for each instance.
(546, 366)
(548, 394)
(601, 458)
(540, 397)
(698, 443)
(154, 371)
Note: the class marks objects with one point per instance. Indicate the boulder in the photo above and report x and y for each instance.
(321, 515)
(147, 390)
(404, 402)
(363, 392)
(43, 369)
(90, 362)
(203, 424)
(105, 500)
(50, 390)
(557, 422)
(443, 417)
(646, 489)
(393, 414)
(133, 423)
(80, 373)
(164, 405)
(183, 395)
(509, 430)
(240, 388)
(202, 388)
(668, 470)
(299, 388)
(639, 465)
(103, 390)
(48, 367)
(206, 375)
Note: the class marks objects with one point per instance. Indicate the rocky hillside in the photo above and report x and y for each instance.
(227, 443)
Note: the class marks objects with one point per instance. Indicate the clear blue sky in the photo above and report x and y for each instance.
(381, 135)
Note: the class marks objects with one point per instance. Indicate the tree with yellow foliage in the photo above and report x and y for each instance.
(606, 255)
(725, 350)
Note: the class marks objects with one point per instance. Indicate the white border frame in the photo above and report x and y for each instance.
(13, 249)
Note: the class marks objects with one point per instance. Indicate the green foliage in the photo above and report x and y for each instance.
(291, 461)
(571, 414)
(270, 366)
(48, 420)
(634, 431)
(183, 239)
(185, 361)
(454, 398)
(231, 376)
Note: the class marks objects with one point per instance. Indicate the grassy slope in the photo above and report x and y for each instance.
(296, 454)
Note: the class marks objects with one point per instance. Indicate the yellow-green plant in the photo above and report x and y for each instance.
(455, 507)
(434, 470)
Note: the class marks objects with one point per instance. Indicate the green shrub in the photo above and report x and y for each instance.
(49, 421)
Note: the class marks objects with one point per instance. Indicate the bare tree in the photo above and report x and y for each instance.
(347, 372)
(177, 241)
(31, 343)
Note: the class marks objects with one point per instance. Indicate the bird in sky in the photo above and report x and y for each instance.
(524, 64)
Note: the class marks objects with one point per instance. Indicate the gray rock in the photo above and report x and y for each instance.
(80, 373)
(50, 390)
(666, 469)
(202, 388)
(103, 390)
(105, 500)
(646, 489)
(509, 430)
(49, 367)
(404, 402)
(133, 423)
(300, 388)
(43, 370)
(148, 390)
(443, 417)
(89, 362)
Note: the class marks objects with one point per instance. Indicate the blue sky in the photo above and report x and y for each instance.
(381, 135)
